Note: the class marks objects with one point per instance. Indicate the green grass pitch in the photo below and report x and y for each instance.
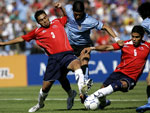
(20, 99)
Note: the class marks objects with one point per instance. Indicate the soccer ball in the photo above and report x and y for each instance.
(91, 102)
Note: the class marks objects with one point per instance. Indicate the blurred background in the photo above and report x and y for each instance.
(17, 18)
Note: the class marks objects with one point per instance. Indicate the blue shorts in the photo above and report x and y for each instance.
(115, 76)
(57, 65)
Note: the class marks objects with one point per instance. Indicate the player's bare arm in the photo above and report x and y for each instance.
(98, 48)
(110, 32)
(59, 5)
(14, 41)
(103, 48)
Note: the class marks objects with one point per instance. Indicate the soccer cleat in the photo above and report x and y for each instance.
(87, 85)
(70, 100)
(143, 108)
(35, 108)
(83, 97)
(103, 105)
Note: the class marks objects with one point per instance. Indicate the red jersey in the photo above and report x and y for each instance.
(53, 39)
(133, 59)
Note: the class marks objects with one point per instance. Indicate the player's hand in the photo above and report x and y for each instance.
(86, 50)
(120, 42)
(58, 5)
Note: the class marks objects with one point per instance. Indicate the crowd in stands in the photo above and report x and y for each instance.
(17, 18)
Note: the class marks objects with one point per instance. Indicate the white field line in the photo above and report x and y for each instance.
(63, 99)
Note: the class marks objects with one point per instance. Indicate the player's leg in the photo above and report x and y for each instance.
(52, 73)
(84, 58)
(67, 87)
(123, 83)
(42, 96)
(79, 76)
(146, 106)
(103, 92)
(103, 101)
(71, 62)
(148, 88)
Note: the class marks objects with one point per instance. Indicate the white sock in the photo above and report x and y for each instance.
(42, 97)
(104, 91)
(79, 76)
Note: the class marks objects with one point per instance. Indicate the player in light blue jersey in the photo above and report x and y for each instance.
(144, 12)
(79, 27)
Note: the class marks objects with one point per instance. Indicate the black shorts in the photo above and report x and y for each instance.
(115, 76)
(77, 49)
(57, 65)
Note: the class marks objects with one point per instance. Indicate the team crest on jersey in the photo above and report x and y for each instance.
(54, 26)
(141, 48)
(43, 31)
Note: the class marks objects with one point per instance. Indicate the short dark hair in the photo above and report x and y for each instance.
(37, 13)
(144, 10)
(138, 29)
(78, 6)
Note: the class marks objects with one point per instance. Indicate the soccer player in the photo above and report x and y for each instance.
(79, 26)
(51, 36)
(144, 12)
(133, 59)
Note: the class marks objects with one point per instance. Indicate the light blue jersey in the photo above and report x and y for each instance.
(79, 31)
(146, 25)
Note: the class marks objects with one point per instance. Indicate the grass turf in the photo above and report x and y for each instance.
(20, 99)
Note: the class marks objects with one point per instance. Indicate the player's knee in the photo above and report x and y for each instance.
(76, 64)
(84, 62)
(45, 89)
(124, 84)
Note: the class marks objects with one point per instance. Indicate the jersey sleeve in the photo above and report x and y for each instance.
(95, 23)
(116, 46)
(29, 36)
(146, 25)
(63, 20)
(68, 9)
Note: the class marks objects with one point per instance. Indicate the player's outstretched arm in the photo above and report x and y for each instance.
(110, 32)
(98, 48)
(103, 48)
(59, 5)
(14, 41)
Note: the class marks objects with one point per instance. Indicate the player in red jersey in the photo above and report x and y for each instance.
(133, 59)
(51, 36)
